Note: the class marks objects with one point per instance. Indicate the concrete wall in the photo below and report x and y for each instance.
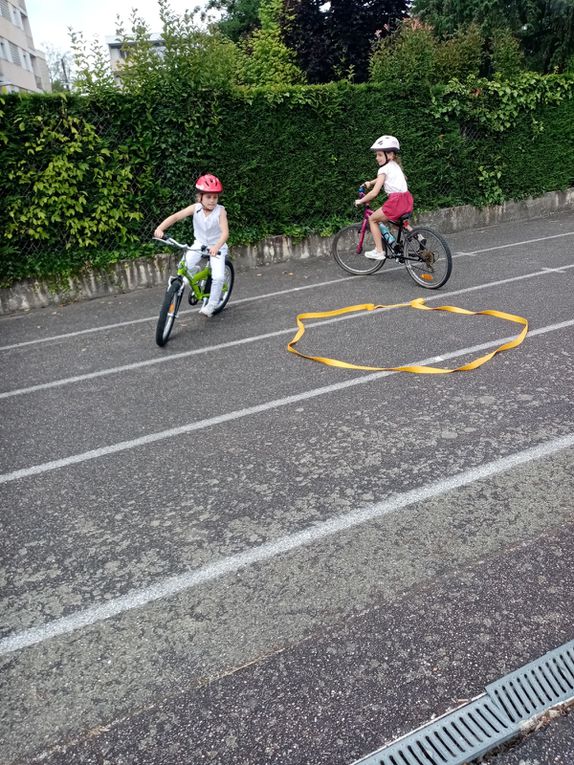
(130, 275)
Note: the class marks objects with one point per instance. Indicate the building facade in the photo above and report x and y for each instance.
(119, 51)
(22, 67)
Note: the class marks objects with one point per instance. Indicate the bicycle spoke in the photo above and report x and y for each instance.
(345, 245)
(428, 258)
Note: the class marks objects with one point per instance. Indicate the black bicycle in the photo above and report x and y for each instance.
(422, 250)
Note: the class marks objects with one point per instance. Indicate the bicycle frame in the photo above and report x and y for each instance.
(195, 280)
(399, 225)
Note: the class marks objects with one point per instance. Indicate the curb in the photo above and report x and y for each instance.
(130, 275)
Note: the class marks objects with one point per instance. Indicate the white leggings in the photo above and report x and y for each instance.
(192, 258)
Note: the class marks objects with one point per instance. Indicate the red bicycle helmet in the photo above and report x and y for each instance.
(209, 183)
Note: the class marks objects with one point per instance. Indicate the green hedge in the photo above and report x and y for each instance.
(290, 158)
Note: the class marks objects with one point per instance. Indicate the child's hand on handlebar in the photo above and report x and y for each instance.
(159, 233)
(214, 252)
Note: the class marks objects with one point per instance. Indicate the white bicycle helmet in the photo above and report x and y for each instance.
(386, 143)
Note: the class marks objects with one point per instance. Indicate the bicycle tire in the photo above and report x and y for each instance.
(344, 251)
(168, 312)
(227, 287)
(429, 266)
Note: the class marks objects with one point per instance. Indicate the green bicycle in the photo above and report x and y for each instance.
(199, 284)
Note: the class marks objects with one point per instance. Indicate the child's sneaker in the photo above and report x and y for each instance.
(206, 310)
(375, 255)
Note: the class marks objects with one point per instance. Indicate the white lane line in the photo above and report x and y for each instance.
(260, 297)
(170, 586)
(181, 313)
(151, 438)
(526, 241)
(247, 340)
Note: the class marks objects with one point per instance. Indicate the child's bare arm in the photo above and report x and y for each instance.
(169, 221)
(377, 186)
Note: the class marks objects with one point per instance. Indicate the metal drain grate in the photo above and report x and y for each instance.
(457, 737)
(470, 731)
(537, 686)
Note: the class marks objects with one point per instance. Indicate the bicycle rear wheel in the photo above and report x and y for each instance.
(227, 287)
(429, 264)
(168, 312)
(345, 252)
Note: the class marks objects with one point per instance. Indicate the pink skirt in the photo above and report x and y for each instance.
(400, 203)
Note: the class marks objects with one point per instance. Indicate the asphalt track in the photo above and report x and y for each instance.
(218, 552)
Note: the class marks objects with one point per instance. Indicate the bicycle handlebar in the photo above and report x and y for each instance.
(204, 249)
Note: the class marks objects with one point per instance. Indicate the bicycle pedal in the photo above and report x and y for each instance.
(191, 299)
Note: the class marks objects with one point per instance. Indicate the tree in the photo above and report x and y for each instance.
(407, 57)
(332, 40)
(544, 28)
(60, 68)
(240, 17)
(264, 58)
(186, 55)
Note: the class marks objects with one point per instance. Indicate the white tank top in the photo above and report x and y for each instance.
(395, 181)
(206, 228)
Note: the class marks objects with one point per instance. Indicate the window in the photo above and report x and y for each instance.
(4, 50)
(14, 54)
(17, 18)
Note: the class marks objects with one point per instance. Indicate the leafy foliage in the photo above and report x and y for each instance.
(496, 104)
(545, 28)
(264, 57)
(240, 17)
(190, 55)
(60, 68)
(407, 58)
(266, 60)
(332, 40)
(507, 58)
(100, 172)
(66, 188)
(461, 55)
(79, 185)
(414, 58)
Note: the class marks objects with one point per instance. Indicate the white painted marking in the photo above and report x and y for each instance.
(526, 241)
(247, 412)
(246, 340)
(261, 297)
(119, 324)
(174, 585)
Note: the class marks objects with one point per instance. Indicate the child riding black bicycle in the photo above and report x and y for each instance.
(210, 229)
(399, 200)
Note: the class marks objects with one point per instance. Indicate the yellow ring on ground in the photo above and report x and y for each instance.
(417, 369)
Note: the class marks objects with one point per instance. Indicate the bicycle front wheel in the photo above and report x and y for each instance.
(427, 257)
(168, 312)
(349, 256)
(227, 287)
